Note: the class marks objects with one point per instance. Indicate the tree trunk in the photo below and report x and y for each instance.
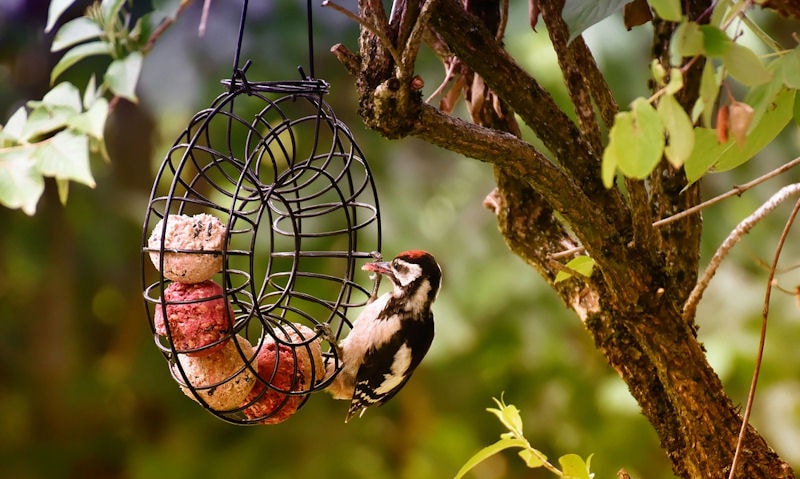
(632, 303)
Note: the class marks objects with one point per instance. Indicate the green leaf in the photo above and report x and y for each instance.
(123, 74)
(715, 41)
(63, 189)
(669, 10)
(709, 89)
(21, 184)
(65, 156)
(93, 121)
(76, 54)
(580, 14)
(54, 12)
(582, 265)
(111, 8)
(688, 40)
(75, 31)
(52, 112)
(141, 31)
(45, 120)
(679, 130)
(788, 67)
(488, 452)
(709, 154)
(91, 93)
(11, 134)
(64, 94)
(745, 66)
(796, 110)
(636, 140)
(532, 458)
(761, 97)
(573, 467)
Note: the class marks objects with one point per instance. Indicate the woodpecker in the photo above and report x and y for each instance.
(391, 335)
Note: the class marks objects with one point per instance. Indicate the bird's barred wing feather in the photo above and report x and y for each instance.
(387, 368)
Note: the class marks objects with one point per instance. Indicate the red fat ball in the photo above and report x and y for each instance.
(287, 376)
(197, 317)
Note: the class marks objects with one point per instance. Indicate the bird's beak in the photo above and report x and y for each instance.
(380, 267)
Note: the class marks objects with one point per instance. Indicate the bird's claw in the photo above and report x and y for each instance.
(326, 332)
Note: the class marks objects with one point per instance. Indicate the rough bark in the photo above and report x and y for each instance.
(631, 305)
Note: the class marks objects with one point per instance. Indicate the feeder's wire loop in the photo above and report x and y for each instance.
(284, 176)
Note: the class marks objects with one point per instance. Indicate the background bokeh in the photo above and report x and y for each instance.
(84, 393)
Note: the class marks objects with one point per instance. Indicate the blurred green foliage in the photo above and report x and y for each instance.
(84, 393)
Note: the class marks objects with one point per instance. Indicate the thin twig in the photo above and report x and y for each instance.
(411, 48)
(448, 76)
(737, 191)
(374, 29)
(501, 30)
(567, 252)
(164, 25)
(741, 229)
(201, 29)
(762, 339)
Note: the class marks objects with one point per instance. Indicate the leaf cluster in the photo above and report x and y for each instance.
(660, 126)
(59, 134)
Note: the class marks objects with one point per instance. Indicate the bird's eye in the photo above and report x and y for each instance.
(398, 266)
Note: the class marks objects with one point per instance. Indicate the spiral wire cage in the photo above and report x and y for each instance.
(284, 176)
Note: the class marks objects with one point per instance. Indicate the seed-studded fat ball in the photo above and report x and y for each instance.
(197, 316)
(192, 247)
(220, 378)
(299, 337)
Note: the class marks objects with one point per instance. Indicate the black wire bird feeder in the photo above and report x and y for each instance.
(258, 217)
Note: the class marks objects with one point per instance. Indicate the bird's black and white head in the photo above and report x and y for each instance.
(416, 277)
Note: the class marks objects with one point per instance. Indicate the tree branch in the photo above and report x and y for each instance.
(578, 86)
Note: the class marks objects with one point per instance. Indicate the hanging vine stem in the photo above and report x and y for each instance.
(762, 339)
(741, 229)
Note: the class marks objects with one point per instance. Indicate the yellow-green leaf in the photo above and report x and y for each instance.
(715, 41)
(675, 81)
(582, 265)
(532, 458)
(688, 39)
(679, 130)
(509, 415)
(669, 10)
(788, 68)
(636, 140)
(745, 66)
(574, 467)
(709, 89)
(488, 452)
